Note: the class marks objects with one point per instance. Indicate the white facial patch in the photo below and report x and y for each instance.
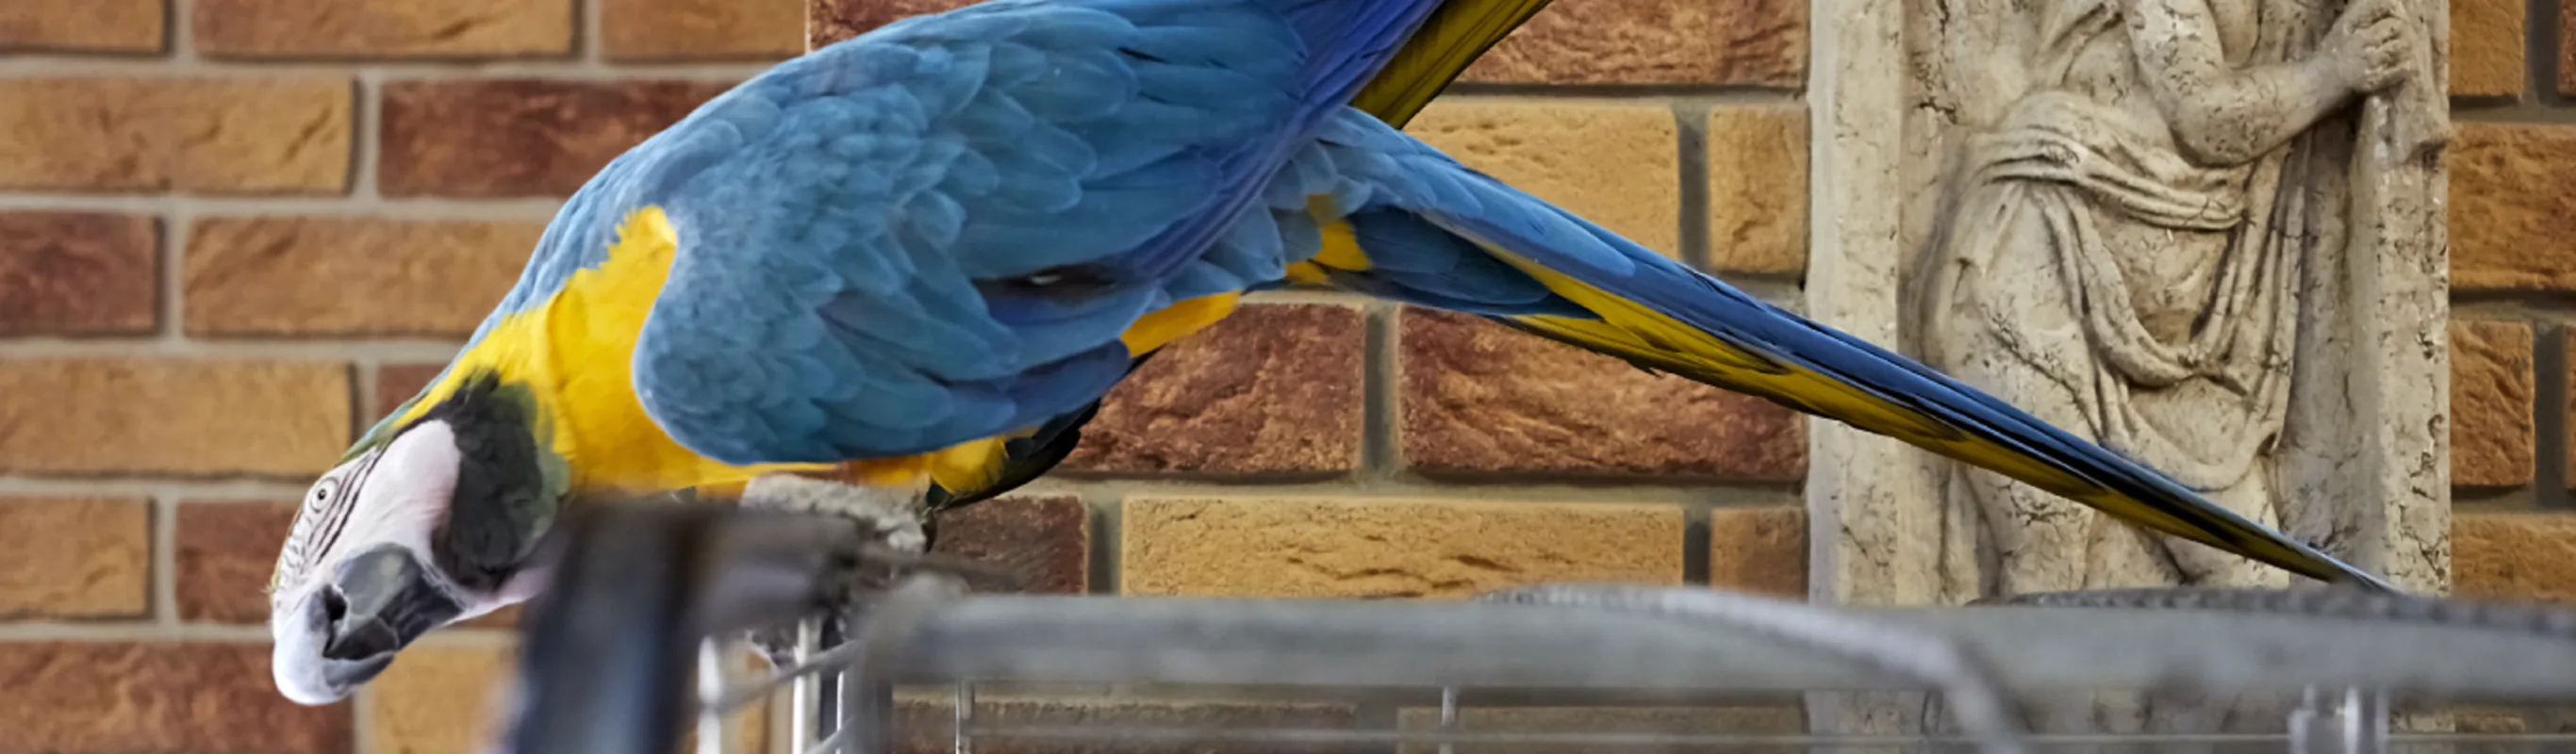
(395, 495)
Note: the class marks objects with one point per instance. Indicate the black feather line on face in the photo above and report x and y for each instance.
(501, 504)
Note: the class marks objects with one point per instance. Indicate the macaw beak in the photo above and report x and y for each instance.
(347, 632)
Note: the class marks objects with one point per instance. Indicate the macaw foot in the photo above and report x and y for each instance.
(893, 537)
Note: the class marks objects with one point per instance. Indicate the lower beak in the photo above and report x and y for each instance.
(376, 604)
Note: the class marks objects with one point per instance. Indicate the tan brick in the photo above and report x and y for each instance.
(127, 26)
(1757, 188)
(191, 417)
(1044, 541)
(1614, 163)
(383, 28)
(78, 273)
(437, 698)
(1273, 389)
(225, 553)
(2486, 48)
(349, 276)
(829, 21)
(1779, 720)
(519, 137)
(1761, 42)
(926, 724)
(702, 29)
(2513, 207)
(117, 698)
(212, 135)
(1325, 547)
(74, 557)
(2528, 556)
(1482, 399)
(2491, 403)
(1759, 550)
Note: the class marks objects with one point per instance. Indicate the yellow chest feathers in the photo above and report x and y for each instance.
(577, 353)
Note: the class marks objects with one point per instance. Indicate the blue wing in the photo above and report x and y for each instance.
(1437, 233)
(936, 232)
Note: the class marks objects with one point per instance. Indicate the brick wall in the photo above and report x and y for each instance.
(2513, 279)
(232, 232)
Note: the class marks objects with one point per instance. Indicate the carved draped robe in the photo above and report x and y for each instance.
(2185, 366)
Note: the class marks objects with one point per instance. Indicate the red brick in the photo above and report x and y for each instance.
(1762, 42)
(349, 276)
(74, 273)
(1483, 399)
(1272, 390)
(396, 383)
(829, 21)
(519, 137)
(75, 558)
(2491, 404)
(123, 26)
(702, 29)
(383, 28)
(205, 135)
(2567, 50)
(114, 698)
(226, 552)
(180, 417)
(1044, 541)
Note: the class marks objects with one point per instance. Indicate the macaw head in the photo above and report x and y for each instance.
(428, 520)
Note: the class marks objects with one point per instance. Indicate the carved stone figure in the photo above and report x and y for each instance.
(2121, 251)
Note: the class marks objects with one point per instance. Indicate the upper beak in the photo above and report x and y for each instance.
(346, 633)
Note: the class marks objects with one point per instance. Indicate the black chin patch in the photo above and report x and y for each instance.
(501, 504)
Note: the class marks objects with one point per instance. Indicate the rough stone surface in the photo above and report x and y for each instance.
(2487, 48)
(208, 417)
(121, 26)
(1615, 163)
(349, 276)
(519, 137)
(1757, 188)
(117, 698)
(76, 273)
(1760, 550)
(1347, 547)
(702, 29)
(925, 724)
(2491, 404)
(225, 553)
(396, 383)
(436, 699)
(1273, 389)
(74, 558)
(2529, 556)
(214, 135)
(383, 28)
(831, 21)
(2513, 207)
(1046, 541)
(1757, 42)
(1479, 398)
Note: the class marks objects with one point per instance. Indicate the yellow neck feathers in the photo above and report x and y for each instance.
(576, 352)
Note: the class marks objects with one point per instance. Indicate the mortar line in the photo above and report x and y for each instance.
(1690, 121)
(1108, 529)
(210, 490)
(588, 46)
(182, 15)
(128, 632)
(164, 578)
(1380, 379)
(1695, 541)
(174, 269)
(2549, 419)
(370, 205)
(177, 348)
(364, 372)
(2542, 43)
(366, 116)
(467, 69)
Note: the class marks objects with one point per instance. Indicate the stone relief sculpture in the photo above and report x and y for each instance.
(2122, 249)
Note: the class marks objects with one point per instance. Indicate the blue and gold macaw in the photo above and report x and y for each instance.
(916, 260)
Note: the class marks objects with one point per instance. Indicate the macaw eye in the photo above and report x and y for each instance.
(323, 493)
